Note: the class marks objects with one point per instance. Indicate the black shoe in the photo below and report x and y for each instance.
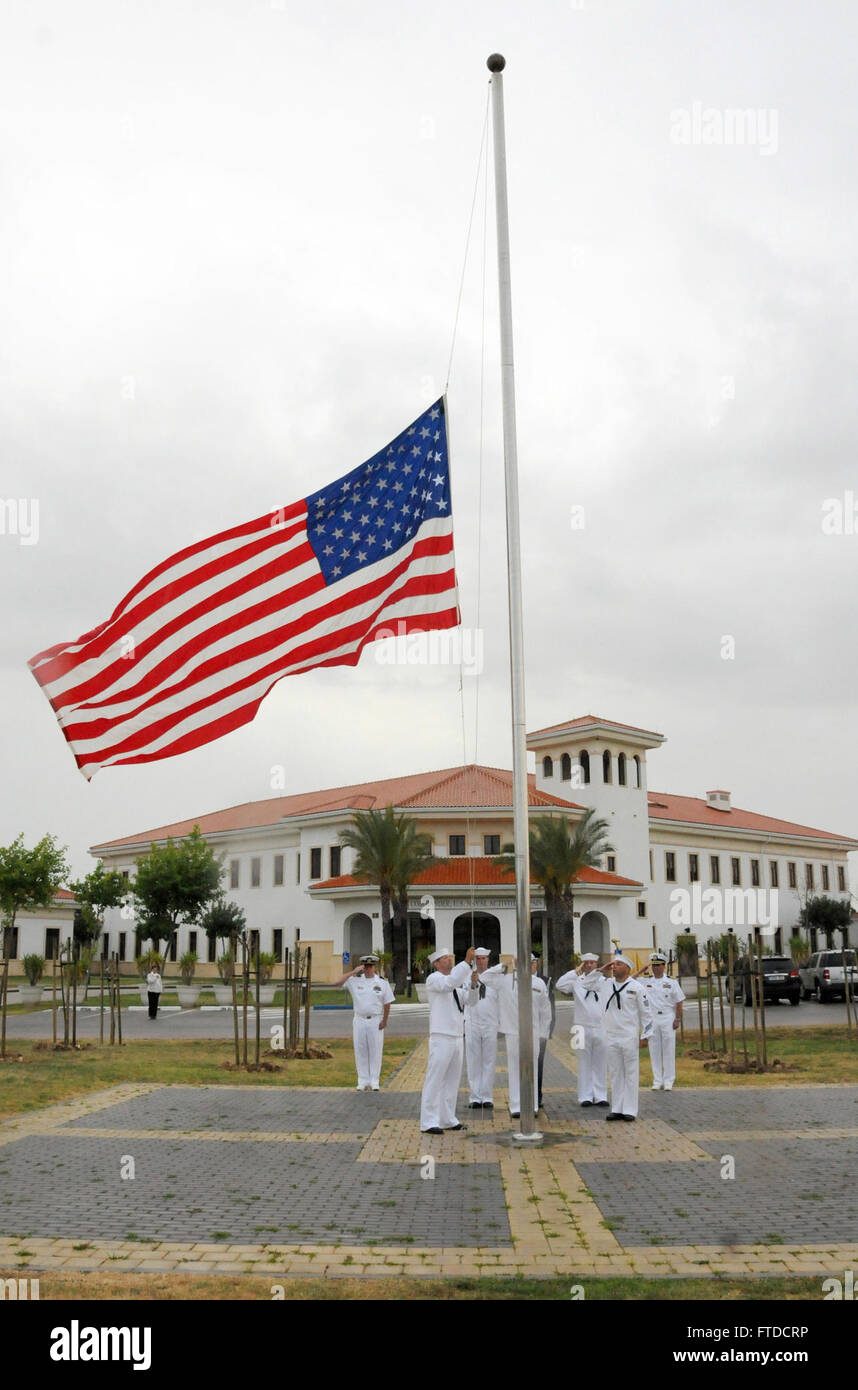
(515, 1114)
(434, 1130)
(615, 1115)
(475, 1105)
(628, 1117)
(488, 1105)
(451, 1129)
(598, 1102)
(586, 1102)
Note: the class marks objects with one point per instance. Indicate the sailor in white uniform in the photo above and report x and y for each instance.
(585, 984)
(503, 982)
(371, 998)
(449, 996)
(628, 1023)
(481, 1037)
(665, 1000)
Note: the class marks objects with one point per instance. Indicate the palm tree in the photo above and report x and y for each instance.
(558, 853)
(390, 852)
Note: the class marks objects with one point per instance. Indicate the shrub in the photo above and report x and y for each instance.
(187, 966)
(34, 968)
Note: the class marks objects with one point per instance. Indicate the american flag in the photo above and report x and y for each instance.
(191, 652)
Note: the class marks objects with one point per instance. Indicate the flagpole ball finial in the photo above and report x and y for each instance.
(496, 63)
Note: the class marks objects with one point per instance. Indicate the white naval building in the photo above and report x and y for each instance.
(285, 867)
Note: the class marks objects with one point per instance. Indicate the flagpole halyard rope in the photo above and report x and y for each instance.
(468, 238)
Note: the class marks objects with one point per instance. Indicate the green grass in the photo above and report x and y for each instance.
(820, 1054)
(44, 1077)
(100, 1285)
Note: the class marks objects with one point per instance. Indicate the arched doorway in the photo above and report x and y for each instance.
(357, 936)
(486, 933)
(594, 933)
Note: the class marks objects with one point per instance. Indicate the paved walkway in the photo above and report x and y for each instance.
(232, 1179)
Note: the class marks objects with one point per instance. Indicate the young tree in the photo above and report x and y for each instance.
(174, 884)
(223, 919)
(827, 915)
(390, 852)
(100, 889)
(29, 880)
(558, 853)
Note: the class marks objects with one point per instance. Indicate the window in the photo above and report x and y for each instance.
(621, 769)
(773, 873)
(825, 878)
(192, 942)
(637, 770)
(755, 873)
(457, 844)
(316, 863)
(584, 760)
(736, 871)
(651, 875)
(279, 876)
(278, 943)
(105, 947)
(791, 875)
(714, 868)
(173, 944)
(808, 876)
(255, 872)
(336, 858)
(566, 768)
(841, 878)
(670, 866)
(607, 775)
(125, 874)
(694, 868)
(52, 943)
(233, 873)
(122, 936)
(491, 844)
(612, 863)
(298, 867)
(211, 954)
(642, 909)
(254, 943)
(548, 767)
(9, 938)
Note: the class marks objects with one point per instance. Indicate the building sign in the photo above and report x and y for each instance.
(485, 904)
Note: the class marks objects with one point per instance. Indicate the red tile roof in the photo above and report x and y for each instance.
(695, 811)
(64, 893)
(473, 786)
(464, 871)
(585, 719)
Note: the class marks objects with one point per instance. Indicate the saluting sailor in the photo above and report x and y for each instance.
(447, 1002)
(481, 1037)
(585, 985)
(665, 999)
(503, 981)
(628, 1024)
(371, 998)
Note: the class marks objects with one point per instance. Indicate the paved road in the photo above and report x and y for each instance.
(406, 1020)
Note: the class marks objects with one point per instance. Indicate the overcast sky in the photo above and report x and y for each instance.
(231, 235)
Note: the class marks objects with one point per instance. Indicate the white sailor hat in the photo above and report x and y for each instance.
(481, 951)
(369, 960)
(588, 955)
(656, 957)
(439, 955)
(619, 959)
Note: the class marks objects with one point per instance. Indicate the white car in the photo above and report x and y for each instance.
(824, 975)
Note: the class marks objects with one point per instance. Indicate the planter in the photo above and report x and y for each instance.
(422, 994)
(144, 994)
(29, 994)
(266, 994)
(223, 994)
(189, 995)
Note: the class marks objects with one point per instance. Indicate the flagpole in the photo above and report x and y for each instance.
(527, 1131)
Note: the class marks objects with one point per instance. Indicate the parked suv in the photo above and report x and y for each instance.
(824, 975)
(780, 980)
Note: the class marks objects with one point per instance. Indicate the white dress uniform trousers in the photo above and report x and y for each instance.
(481, 1045)
(590, 1050)
(663, 996)
(627, 1022)
(506, 989)
(446, 1047)
(369, 998)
